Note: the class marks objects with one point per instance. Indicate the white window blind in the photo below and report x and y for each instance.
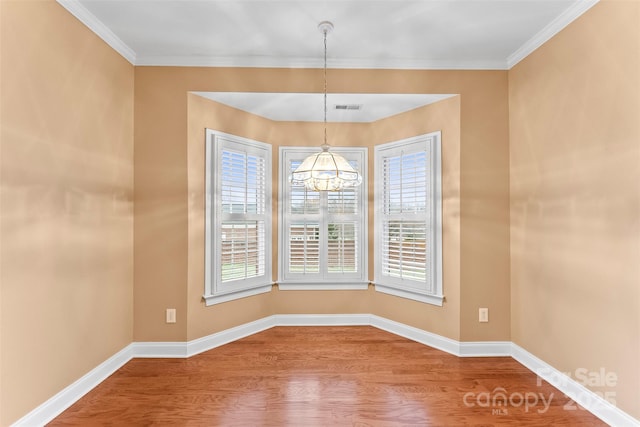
(343, 247)
(238, 261)
(242, 193)
(304, 248)
(322, 233)
(405, 227)
(242, 250)
(408, 218)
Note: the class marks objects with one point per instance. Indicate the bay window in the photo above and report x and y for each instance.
(323, 235)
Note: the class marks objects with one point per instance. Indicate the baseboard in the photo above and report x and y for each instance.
(427, 338)
(322, 319)
(228, 335)
(581, 395)
(68, 396)
(191, 348)
(485, 349)
(160, 349)
(586, 398)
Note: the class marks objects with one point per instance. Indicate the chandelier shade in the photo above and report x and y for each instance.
(326, 170)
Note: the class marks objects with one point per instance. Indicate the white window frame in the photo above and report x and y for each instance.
(217, 291)
(431, 290)
(323, 279)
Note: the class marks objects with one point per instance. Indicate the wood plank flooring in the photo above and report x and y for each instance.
(325, 376)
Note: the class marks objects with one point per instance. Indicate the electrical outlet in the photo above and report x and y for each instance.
(483, 315)
(171, 315)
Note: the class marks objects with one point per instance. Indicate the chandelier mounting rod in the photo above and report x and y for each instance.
(325, 27)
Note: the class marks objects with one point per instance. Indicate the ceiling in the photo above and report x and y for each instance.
(308, 107)
(397, 34)
(404, 34)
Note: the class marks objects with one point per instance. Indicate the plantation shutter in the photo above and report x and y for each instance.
(406, 216)
(342, 230)
(238, 217)
(322, 232)
(243, 196)
(304, 250)
(342, 247)
(304, 229)
(408, 219)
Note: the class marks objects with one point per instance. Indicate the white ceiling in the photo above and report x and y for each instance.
(409, 34)
(309, 107)
(400, 34)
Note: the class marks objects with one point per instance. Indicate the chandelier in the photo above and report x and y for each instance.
(326, 170)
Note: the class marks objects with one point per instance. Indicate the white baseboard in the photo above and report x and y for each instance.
(322, 319)
(228, 335)
(586, 398)
(485, 349)
(191, 348)
(415, 334)
(68, 396)
(160, 349)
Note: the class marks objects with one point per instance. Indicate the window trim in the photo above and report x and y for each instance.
(396, 286)
(215, 141)
(359, 282)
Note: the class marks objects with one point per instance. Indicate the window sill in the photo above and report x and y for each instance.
(403, 293)
(220, 298)
(315, 286)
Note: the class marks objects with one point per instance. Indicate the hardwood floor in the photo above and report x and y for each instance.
(325, 376)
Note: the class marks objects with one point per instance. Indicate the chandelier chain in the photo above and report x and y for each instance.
(325, 86)
(325, 171)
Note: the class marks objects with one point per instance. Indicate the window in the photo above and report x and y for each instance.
(238, 217)
(408, 219)
(323, 235)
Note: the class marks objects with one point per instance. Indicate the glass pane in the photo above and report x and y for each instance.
(302, 200)
(404, 250)
(406, 183)
(304, 248)
(345, 201)
(243, 183)
(342, 247)
(242, 250)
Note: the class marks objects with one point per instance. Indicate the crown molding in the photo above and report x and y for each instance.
(101, 30)
(554, 27)
(75, 8)
(346, 63)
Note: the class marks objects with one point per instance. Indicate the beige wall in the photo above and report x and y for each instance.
(67, 253)
(444, 116)
(575, 198)
(66, 203)
(551, 148)
(203, 114)
(169, 172)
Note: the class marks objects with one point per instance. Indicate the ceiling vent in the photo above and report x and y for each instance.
(348, 107)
